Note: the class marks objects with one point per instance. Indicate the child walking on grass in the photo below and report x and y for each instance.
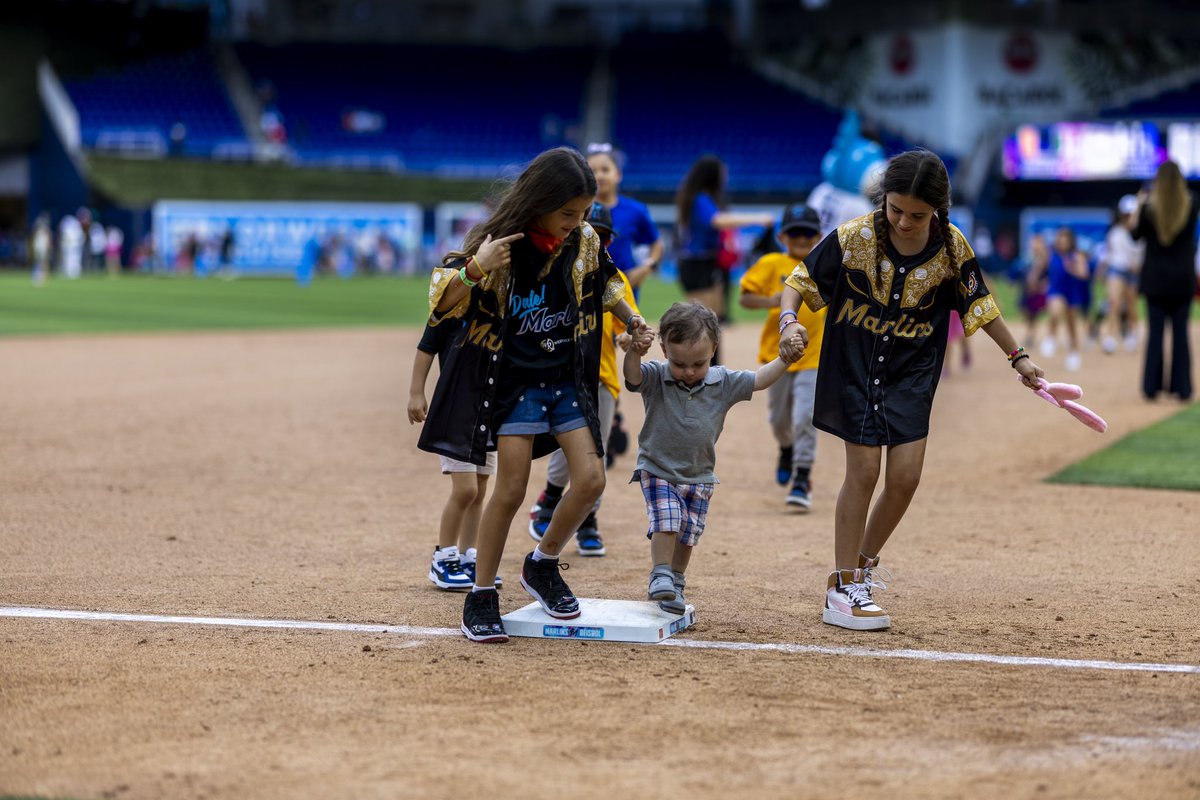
(890, 280)
(686, 399)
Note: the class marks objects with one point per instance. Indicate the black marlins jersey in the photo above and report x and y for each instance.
(886, 326)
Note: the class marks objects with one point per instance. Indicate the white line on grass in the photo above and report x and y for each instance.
(758, 647)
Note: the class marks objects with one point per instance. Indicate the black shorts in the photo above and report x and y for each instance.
(697, 274)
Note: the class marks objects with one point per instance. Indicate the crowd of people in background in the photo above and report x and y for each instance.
(80, 244)
(1090, 297)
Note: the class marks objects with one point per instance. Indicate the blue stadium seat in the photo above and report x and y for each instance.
(135, 107)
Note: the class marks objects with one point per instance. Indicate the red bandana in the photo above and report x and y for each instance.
(543, 240)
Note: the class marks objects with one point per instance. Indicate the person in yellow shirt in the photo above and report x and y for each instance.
(588, 541)
(789, 401)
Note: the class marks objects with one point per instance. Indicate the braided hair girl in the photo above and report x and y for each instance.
(890, 279)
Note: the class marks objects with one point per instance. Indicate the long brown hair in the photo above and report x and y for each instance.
(553, 179)
(707, 174)
(921, 174)
(1169, 203)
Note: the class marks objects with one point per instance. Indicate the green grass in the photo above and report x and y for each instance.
(144, 303)
(133, 303)
(1162, 456)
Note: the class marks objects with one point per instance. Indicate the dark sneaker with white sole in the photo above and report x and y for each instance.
(800, 496)
(587, 538)
(540, 514)
(544, 584)
(481, 620)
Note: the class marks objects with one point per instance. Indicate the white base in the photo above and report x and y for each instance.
(601, 620)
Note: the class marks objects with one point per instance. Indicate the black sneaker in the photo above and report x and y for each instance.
(544, 584)
(783, 470)
(481, 618)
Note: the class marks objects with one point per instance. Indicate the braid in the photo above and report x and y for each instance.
(880, 220)
(943, 221)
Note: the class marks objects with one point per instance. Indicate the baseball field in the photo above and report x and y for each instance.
(215, 537)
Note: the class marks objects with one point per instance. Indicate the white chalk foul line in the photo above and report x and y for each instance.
(758, 647)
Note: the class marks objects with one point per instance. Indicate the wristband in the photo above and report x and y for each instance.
(467, 282)
(630, 319)
(475, 261)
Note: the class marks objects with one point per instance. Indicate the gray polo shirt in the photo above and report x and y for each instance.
(678, 440)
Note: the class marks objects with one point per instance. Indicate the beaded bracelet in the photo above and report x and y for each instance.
(783, 325)
(631, 316)
(1018, 358)
(1013, 355)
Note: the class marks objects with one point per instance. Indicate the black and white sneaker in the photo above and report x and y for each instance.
(544, 584)
(481, 617)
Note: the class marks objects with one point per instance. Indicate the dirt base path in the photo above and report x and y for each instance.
(274, 475)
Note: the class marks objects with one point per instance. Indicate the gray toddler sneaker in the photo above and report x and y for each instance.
(677, 604)
(662, 585)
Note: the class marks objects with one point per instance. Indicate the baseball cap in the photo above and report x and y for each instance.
(800, 217)
(1127, 204)
(600, 218)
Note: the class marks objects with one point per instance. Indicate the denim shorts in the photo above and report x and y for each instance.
(544, 408)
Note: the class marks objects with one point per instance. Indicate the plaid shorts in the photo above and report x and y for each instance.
(676, 507)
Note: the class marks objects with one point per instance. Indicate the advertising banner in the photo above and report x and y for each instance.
(266, 237)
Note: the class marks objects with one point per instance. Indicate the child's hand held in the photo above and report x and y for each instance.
(795, 349)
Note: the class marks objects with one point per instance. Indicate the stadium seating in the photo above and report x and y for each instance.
(771, 137)
(134, 108)
(450, 111)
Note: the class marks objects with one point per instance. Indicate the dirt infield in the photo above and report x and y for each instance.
(273, 475)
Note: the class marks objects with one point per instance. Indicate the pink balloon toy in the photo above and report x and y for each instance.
(1064, 396)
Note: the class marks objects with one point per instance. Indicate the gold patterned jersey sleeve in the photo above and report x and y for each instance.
(981, 312)
(803, 283)
(976, 306)
(614, 292)
(614, 284)
(439, 281)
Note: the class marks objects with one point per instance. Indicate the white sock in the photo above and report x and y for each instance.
(468, 556)
(538, 555)
(477, 588)
(443, 553)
